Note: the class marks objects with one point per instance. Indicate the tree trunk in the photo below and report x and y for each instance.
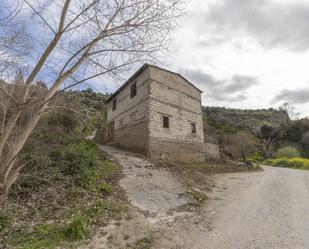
(243, 154)
(3, 195)
(8, 170)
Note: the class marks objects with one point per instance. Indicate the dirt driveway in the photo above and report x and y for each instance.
(261, 210)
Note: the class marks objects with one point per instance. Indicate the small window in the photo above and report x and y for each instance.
(193, 128)
(133, 89)
(166, 122)
(114, 104)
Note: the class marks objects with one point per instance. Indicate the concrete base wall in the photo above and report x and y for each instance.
(176, 151)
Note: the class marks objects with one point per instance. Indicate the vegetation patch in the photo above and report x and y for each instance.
(143, 243)
(288, 151)
(198, 195)
(61, 197)
(297, 162)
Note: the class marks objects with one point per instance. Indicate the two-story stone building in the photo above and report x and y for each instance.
(159, 113)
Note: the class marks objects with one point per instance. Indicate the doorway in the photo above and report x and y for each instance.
(110, 132)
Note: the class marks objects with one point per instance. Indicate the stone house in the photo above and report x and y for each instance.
(158, 113)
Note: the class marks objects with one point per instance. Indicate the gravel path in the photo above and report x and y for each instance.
(264, 210)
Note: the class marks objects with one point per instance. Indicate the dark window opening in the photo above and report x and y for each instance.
(114, 104)
(133, 89)
(193, 128)
(166, 122)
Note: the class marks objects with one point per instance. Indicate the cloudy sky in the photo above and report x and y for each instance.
(246, 53)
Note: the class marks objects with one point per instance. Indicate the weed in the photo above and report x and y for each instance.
(105, 188)
(4, 221)
(78, 228)
(199, 196)
(143, 243)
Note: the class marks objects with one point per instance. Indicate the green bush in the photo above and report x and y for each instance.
(258, 157)
(50, 236)
(80, 157)
(283, 162)
(66, 120)
(297, 162)
(56, 155)
(269, 162)
(4, 221)
(199, 196)
(78, 228)
(82, 161)
(105, 188)
(288, 152)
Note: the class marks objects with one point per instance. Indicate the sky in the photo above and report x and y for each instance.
(245, 53)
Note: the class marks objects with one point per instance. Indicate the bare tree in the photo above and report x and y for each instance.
(290, 111)
(80, 40)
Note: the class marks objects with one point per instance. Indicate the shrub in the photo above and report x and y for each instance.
(288, 152)
(297, 162)
(269, 162)
(283, 162)
(4, 221)
(105, 188)
(77, 229)
(256, 158)
(89, 171)
(199, 196)
(80, 156)
(64, 121)
(57, 154)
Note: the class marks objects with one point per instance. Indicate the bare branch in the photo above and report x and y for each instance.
(62, 107)
(41, 17)
(8, 95)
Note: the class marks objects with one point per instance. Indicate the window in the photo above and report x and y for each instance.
(193, 128)
(166, 122)
(133, 89)
(114, 104)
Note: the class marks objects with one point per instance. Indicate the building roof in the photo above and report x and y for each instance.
(138, 72)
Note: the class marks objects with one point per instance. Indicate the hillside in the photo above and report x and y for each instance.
(251, 132)
(67, 186)
(236, 119)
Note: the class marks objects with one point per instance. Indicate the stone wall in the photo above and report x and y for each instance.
(169, 150)
(172, 96)
(131, 115)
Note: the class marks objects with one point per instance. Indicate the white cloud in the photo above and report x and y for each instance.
(219, 49)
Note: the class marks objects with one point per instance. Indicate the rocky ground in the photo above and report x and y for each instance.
(264, 209)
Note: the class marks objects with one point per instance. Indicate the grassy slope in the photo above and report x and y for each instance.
(68, 187)
(61, 197)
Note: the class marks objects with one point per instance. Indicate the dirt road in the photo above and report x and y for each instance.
(262, 210)
(267, 209)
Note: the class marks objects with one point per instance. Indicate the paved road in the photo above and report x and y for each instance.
(264, 210)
